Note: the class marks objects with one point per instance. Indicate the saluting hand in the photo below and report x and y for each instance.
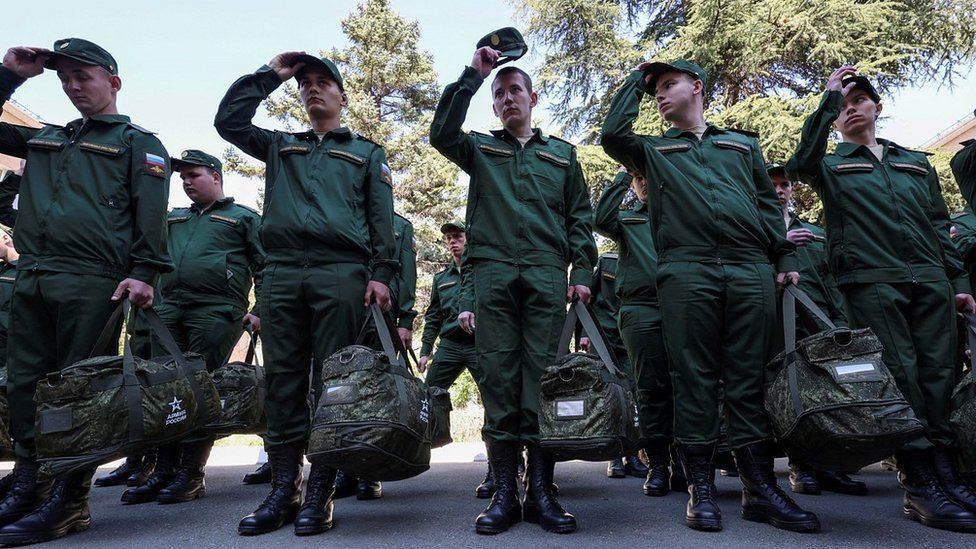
(140, 294)
(282, 64)
(484, 60)
(580, 291)
(785, 279)
(379, 293)
(26, 62)
(836, 80)
(965, 303)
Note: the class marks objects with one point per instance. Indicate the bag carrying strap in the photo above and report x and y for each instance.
(251, 356)
(971, 339)
(792, 294)
(579, 312)
(392, 346)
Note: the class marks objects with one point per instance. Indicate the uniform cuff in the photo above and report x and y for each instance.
(9, 81)
(580, 277)
(960, 285)
(426, 349)
(405, 322)
(382, 273)
(471, 79)
(786, 263)
(144, 274)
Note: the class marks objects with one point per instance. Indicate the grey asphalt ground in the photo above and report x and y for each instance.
(437, 509)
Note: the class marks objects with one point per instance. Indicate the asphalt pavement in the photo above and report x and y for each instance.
(437, 509)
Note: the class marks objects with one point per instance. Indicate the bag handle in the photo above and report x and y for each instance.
(581, 313)
(971, 338)
(792, 294)
(251, 357)
(392, 346)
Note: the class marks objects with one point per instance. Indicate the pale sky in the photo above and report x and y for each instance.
(178, 57)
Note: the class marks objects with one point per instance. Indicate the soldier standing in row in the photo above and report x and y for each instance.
(528, 219)
(722, 250)
(889, 247)
(455, 347)
(91, 231)
(327, 232)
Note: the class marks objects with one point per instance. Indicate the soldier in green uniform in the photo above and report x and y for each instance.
(204, 304)
(528, 219)
(818, 282)
(8, 275)
(889, 247)
(640, 325)
(720, 242)
(963, 230)
(455, 347)
(9, 189)
(605, 306)
(327, 233)
(403, 291)
(91, 231)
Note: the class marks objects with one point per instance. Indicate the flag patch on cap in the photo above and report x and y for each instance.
(155, 164)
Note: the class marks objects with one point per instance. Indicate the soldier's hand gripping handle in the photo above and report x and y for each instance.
(785, 279)
(379, 293)
(140, 294)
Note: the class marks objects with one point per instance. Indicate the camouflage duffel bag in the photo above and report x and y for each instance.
(242, 391)
(587, 408)
(107, 407)
(831, 401)
(373, 418)
(963, 417)
(6, 443)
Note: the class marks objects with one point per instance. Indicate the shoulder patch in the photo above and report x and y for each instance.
(155, 165)
(744, 132)
(141, 129)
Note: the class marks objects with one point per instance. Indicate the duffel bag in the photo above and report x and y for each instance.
(242, 391)
(832, 402)
(107, 407)
(963, 417)
(374, 415)
(587, 408)
(6, 443)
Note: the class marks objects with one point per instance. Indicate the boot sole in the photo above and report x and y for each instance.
(313, 530)
(37, 537)
(800, 489)
(704, 525)
(367, 497)
(951, 525)
(804, 527)
(656, 493)
(531, 515)
(616, 475)
(254, 482)
(252, 531)
(131, 500)
(485, 530)
(170, 500)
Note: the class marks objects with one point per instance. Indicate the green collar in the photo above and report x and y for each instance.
(341, 132)
(709, 128)
(537, 134)
(101, 118)
(846, 149)
(217, 204)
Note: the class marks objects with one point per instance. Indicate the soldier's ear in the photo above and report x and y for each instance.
(115, 82)
(877, 110)
(345, 100)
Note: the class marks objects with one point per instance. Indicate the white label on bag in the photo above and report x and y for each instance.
(851, 369)
(570, 408)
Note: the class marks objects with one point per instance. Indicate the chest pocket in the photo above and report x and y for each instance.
(852, 167)
(177, 219)
(45, 144)
(286, 150)
(103, 149)
(496, 156)
(675, 148)
(910, 167)
(216, 218)
(633, 220)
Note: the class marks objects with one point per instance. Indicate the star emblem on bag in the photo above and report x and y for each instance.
(177, 404)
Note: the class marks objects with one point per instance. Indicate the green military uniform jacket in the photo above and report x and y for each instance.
(217, 253)
(328, 201)
(94, 199)
(9, 189)
(405, 283)
(526, 205)
(886, 220)
(8, 275)
(963, 166)
(710, 200)
(605, 303)
(631, 230)
(815, 276)
(440, 320)
(963, 234)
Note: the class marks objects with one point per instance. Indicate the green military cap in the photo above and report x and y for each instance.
(452, 227)
(772, 167)
(83, 51)
(193, 157)
(681, 65)
(862, 83)
(326, 65)
(509, 41)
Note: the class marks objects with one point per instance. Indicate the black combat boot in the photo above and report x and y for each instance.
(943, 462)
(925, 500)
(261, 476)
(315, 515)
(657, 482)
(634, 467)
(281, 505)
(701, 513)
(64, 511)
(140, 477)
(504, 510)
(840, 483)
(5, 484)
(26, 492)
(369, 489)
(762, 498)
(345, 485)
(540, 505)
(616, 468)
(120, 474)
(678, 481)
(487, 487)
(188, 484)
(165, 471)
(803, 480)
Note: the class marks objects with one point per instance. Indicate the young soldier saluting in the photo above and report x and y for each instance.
(90, 230)
(721, 242)
(889, 247)
(327, 232)
(528, 219)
